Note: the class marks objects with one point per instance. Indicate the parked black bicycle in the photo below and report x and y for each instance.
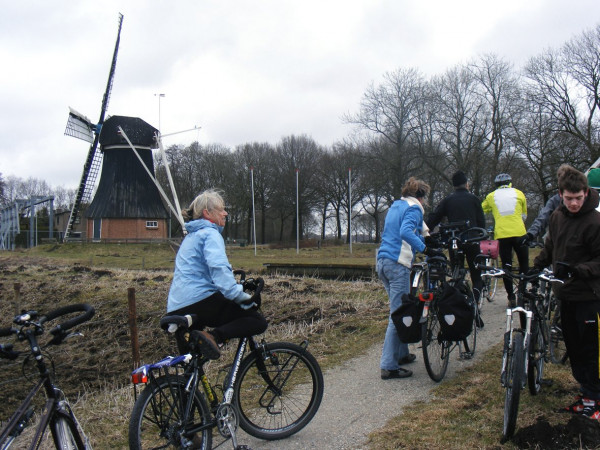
(271, 390)
(430, 281)
(526, 340)
(57, 413)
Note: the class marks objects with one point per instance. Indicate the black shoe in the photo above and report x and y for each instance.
(410, 358)
(398, 373)
(479, 321)
(207, 344)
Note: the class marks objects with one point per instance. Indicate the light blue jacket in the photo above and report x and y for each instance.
(402, 232)
(202, 268)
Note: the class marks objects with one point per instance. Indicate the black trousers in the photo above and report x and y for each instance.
(470, 253)
(226, 317)
(581, 333)
(506, 247)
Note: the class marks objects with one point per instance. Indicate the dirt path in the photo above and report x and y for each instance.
(357, 401)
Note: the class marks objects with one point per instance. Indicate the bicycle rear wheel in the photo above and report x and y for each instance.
(436, 352)
(159, 412)
(490, 284)
(558, 350)
(515, 370)
(278, 390)
(65, 433)
(535, 370)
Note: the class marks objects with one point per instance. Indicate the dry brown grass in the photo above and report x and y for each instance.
(340, 319)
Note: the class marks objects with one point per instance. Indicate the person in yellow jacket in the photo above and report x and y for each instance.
(509, 208)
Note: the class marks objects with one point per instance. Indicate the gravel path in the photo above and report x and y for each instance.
(357, 401)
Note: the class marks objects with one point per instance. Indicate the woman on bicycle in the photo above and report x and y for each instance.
(203, 282)
(402, 237)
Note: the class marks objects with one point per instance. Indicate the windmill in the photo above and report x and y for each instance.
(79, 126)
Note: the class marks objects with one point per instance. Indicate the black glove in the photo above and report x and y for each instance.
(525, 239)
(432, 252)
(432, 241)
(564, 271)
(256, 299)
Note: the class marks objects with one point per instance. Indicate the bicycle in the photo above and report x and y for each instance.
(526, 346)
(428, 280)
(57, 413)
(558, 351)
(271, 390)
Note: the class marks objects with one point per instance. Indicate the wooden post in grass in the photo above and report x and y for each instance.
(17, 303)
(135, 347)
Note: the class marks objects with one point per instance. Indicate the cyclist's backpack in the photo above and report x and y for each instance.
(407, 319)
(456, 312)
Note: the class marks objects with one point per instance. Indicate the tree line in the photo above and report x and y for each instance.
(484, 117)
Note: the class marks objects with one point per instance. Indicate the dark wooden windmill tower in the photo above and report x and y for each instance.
(127, 204)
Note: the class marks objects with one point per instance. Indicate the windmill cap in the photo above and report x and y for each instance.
(593, 177)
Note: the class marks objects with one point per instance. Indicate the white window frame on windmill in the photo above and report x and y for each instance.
(152, 224)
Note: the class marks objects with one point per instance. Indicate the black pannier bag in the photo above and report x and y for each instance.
(407, 319)
(456, 313)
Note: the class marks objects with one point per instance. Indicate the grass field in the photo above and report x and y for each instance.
(340, 319)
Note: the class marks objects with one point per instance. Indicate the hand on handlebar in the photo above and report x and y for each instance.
(564, 271)
(525, 239)
(432, 252)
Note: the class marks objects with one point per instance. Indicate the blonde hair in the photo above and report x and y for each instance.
(210, 200)
(415, 188)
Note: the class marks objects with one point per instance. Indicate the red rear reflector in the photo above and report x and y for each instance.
(139, 378)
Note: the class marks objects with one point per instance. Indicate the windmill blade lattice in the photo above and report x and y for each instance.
(80, 127)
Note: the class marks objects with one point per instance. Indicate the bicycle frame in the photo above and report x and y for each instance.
(55, 404)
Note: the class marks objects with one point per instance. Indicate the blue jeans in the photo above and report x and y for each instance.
(396, 281)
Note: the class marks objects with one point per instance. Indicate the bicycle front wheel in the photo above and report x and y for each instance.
(435, 351)
(278, 390)
(65, 433)
(515, 370)
(159, 420)
(535, 364)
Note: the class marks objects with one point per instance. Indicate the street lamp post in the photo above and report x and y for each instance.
(159, 96)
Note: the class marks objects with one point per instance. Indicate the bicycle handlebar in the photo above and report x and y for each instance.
(455, 232)
(60, 329)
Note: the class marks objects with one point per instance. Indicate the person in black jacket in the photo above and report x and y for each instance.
(572, 246)
(462, 205)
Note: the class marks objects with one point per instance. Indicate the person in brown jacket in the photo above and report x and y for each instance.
(572, 246)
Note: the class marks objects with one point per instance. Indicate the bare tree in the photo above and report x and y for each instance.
(295, 155)
(393, 111)
(566, 84)
(259, 157)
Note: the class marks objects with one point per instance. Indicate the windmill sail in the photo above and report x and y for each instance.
(79, 126)
(94, 159)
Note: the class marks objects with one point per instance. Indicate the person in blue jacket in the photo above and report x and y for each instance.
(402, 237)
(203, 281)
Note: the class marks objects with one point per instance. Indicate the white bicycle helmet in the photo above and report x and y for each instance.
(502, 179)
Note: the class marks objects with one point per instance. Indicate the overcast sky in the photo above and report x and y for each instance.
(242, 71)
